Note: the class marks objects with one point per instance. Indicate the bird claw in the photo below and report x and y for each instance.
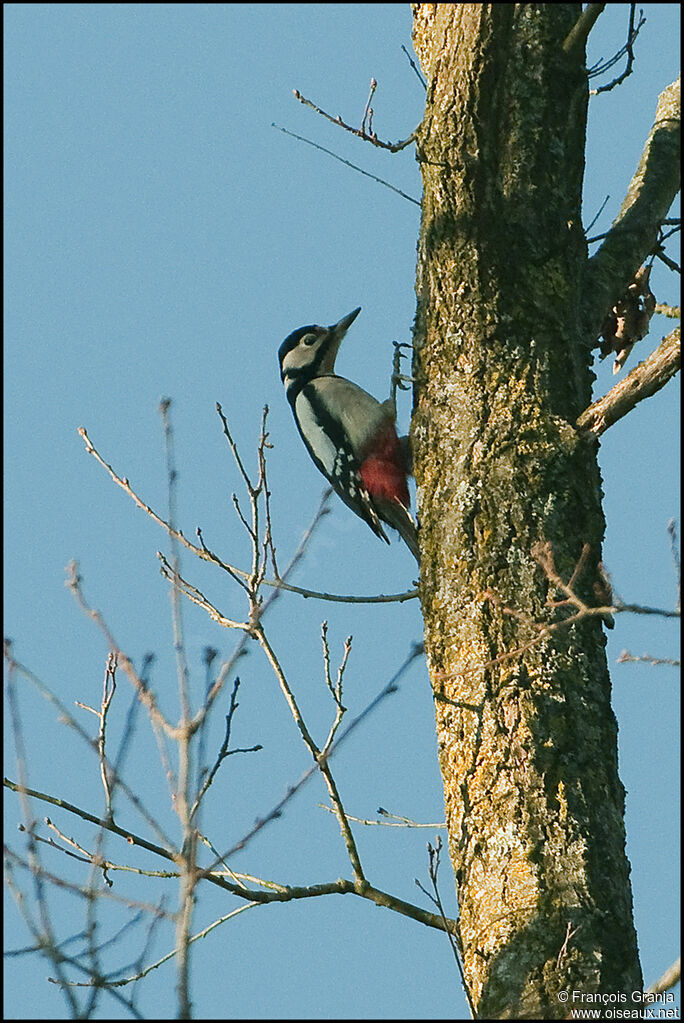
(400, 381)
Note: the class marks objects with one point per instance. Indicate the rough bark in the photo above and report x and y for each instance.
(528, 744)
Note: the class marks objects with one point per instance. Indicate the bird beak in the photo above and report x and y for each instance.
(345, 323)
(334, 339)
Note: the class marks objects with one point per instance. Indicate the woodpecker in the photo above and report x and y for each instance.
(350, 436)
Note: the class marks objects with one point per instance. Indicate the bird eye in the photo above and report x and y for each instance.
(309, 339)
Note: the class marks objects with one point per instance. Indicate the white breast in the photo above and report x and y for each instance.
(315, 437)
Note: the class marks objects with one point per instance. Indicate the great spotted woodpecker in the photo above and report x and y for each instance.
(351, 437)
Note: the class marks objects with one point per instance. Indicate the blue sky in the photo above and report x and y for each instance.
(162, 238)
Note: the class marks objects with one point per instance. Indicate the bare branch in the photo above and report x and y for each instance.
(225, 751)
(250, 629)
(176, 612)
(240, 576)
(668, 980)
(367, 136)
(170, 955)
(628, 50)
(197, 597)
(359, 887)
(626, 658)
(321, 757)
(634, 232)
(273, 893)
(541, 630)
(108, 690)
(398, 822)
(367, 118)
(645, 380)
(338, 598)
(75, 889)
(389, 688)
(181, 791)
(596, 216)
(101, 822)
(579, 33)
(68, 719)
(673, 312)
(334, 687)
(145, 695)
(669, 263)
(570, 933)
(40, 925)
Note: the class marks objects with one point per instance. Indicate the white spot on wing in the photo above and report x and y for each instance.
(339, 464)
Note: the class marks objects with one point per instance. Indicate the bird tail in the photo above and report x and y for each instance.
(398, 517)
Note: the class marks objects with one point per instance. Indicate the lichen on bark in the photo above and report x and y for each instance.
(528, 742)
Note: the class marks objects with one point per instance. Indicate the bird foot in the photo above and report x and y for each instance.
(399, 381)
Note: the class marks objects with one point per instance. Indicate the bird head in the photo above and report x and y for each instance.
(311, 351)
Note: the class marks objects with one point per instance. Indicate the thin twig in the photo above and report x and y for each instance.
(415, 68)
(593, 221)
(570, 933)
(543, 554)
(41, 928)
(367, 119)
(197, 597)
(240, 576)
(452, 934)
(180, 789)
(68, 719)
(320, 757)
(257, 611)
(674, 547)
(224, 751)
(108, 690)
(334, 687)
(359, 170)
(632, 32)
(162, 728)
(392, 147)
(400, 822)
(101, 822)
(669, 263)
(77, 889)
(279, 893)
(388, 689)
(140, 974)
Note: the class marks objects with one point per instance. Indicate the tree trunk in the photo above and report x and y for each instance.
(528, 742)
